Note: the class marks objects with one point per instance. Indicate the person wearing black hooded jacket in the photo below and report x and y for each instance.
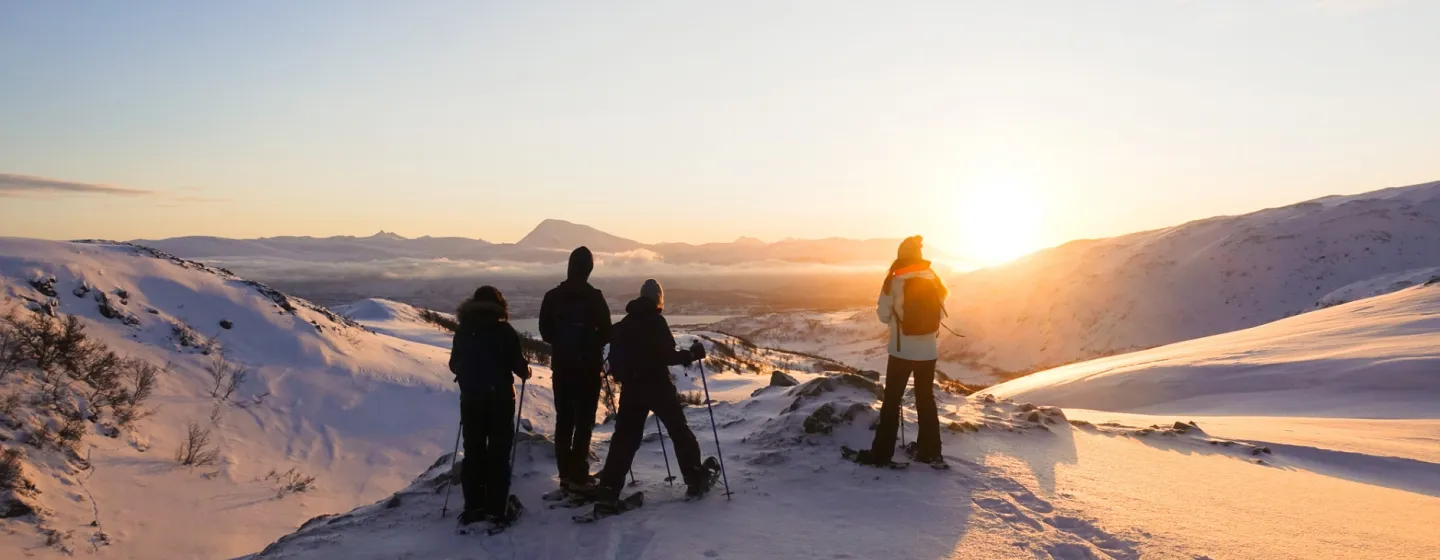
(642, 349)
(575, 321)
(483, 356)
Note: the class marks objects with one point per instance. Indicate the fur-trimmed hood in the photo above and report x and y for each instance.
(474, 313)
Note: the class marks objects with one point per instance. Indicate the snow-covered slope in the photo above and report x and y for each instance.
(395, 319)
(360, 411)
(1373, 358)
(1095, 298)
(1024, 484)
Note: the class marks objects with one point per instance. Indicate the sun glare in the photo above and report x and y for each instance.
(999, 223)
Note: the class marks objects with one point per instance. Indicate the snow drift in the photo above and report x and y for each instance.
(1373, 358)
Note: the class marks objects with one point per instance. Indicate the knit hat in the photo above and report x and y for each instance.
(910, 248)
(652, 291)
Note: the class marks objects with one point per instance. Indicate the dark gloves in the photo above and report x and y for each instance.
(697, 350)
(525, 375)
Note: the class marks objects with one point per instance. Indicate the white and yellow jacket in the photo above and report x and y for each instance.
(891, 308)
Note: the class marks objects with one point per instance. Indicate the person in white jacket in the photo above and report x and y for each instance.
(910, 354)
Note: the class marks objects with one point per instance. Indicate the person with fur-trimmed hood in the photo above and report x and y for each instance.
(912, 302)
(642, 349)
(575, 321)
(484, 355)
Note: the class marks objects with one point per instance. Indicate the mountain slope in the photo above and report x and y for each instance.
(1100, 297)
(560, 234)
(359, 411)
(1374, 358)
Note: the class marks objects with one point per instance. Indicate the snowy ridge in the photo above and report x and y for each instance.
(1374, 358)
(1095, 298)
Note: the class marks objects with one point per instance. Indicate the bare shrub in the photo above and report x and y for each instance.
(140, 378)
(10, 407)
(440, 320)
(691, 398)
(225, 376)
(290, 482)
(10, 352)
(73, 430)
(196, 450)
(12, 471)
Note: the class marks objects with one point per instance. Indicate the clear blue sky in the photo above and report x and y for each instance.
(1034, 122)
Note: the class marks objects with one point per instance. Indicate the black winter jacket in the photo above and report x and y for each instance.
(486, 350)
(575, 321)
(642, 347)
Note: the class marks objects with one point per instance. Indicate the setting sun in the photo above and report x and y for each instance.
(999, 223)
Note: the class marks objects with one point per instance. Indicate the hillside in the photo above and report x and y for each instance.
(1374, 358)
(359, 411)
(1101, 297)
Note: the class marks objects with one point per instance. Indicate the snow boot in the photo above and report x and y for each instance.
(701, 483)
(936, 461)
(864, 457)
(471, 517)
(513, 510)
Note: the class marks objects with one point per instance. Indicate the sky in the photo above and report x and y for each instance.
(991, 127)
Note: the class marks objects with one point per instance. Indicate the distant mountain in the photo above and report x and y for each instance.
(549, 242)
(1100, 297)
(560, 234)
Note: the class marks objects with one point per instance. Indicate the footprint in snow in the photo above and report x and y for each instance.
(1003, 509)
(1021, 495)
(1117, 547)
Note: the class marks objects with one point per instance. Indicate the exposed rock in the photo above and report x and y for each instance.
(822, 421)
(393, 502)
(226, 324)
(768, 459)
(781, 379)
(45, 286)
(869, 374)
(854, 411)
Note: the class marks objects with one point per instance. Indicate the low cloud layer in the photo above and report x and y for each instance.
(630, 264)
(12, 185)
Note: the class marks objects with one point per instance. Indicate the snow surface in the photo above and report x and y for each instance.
(1024, 484)
(1373, 358)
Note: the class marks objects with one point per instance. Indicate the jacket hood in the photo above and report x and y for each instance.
(475, 313)
(582, 263)
(642, 306)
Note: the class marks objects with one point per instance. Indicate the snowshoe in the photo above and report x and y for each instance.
(513, 510)
(609, 508)
(709, 476)
(936, 462)
(862, 457)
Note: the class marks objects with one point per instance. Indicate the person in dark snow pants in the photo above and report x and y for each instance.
(575, 321)
(484, 355)
(641, 351)
(910, 354)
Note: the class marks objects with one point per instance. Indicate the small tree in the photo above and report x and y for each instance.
(10, 352)
(196, 450)
(225, 376)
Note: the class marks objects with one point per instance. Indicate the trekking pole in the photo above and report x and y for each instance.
(514, 438)
(714, 429)
(450, 484)
(669, 477)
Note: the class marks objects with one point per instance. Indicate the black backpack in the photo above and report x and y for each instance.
(575, 329)
(923, 308)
